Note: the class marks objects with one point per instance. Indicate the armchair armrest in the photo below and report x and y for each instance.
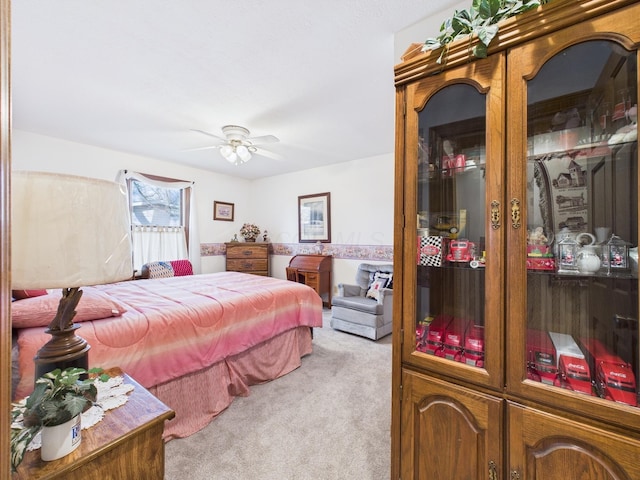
(385, 296)
(386, 299)
(347, 290)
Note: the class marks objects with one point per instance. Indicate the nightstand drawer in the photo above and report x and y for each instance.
(247, 251)
(246, 264)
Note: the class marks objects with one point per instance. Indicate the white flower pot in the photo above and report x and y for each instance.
(60, 440)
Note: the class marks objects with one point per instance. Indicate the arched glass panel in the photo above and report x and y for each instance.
(582, 173)
(450, 294)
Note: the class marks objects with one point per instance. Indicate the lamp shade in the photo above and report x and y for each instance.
(68, 231)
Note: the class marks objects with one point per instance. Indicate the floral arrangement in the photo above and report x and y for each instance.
(249, 230)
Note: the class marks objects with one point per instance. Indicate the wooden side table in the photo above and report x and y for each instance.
(127, 443)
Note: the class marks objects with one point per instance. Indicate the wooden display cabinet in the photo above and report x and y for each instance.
(506, 168)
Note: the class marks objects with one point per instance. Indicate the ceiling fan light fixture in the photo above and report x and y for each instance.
(243, 153)
(226, 151)
(233, 158)
(237, 147)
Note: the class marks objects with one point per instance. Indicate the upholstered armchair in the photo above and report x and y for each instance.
(365, 309)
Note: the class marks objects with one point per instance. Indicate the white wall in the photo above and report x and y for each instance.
(425, 28)
(361, 207)
(361, 195)
(37, 152)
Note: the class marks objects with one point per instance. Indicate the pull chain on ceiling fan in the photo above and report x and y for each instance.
(237, 147)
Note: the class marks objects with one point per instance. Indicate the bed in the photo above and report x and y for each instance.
(195, 342)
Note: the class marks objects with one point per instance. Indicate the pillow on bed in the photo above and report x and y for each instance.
(39, 311)
(22, 294)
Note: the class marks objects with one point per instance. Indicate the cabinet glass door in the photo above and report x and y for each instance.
(455, 259)
(582, 223)
(450, 290)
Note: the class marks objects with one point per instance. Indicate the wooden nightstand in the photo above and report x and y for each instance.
(127, 443)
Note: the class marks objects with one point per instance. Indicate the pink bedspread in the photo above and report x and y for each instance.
(180, 325)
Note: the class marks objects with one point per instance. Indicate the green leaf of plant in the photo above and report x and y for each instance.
(74, 405)
(460, 25)
(20, 440)
(431, 44)
(39, 393)
(480, 51)
(494, 6)
(486, 34)
(483, 8)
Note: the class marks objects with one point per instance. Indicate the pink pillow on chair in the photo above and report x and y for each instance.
(181, 267)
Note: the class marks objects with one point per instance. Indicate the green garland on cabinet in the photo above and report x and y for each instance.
(480, 20)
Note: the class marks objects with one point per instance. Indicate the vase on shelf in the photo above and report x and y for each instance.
(249, 239)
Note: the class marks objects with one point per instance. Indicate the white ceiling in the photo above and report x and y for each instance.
(138, 75)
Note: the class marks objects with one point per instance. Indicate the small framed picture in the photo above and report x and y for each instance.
(314, 218)
(223, 211)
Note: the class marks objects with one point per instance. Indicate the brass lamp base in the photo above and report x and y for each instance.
(64, 350)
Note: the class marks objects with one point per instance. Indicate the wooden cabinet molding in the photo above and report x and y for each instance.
(5, 251)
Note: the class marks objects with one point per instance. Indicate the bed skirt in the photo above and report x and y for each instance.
(197, 398)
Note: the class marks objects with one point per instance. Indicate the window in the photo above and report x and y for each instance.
(161, 224)
(153, 205)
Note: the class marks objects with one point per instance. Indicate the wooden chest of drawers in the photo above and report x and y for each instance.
(248, 257)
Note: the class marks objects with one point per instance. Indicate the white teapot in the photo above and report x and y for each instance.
(588, 257)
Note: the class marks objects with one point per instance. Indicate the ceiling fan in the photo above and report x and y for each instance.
(237, 146)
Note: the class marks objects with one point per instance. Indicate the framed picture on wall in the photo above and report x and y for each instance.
(314, 218)
(223, 211)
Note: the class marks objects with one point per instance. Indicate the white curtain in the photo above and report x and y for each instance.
(143, 238)
(151, 243)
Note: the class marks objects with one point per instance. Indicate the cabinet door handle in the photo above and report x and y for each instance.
(515, 213)
(515, 475)
(493, 471)
(495, 214)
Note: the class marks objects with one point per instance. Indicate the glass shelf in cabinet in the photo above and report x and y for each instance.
(578, 275)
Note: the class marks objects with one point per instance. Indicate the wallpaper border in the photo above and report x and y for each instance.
(347, 252)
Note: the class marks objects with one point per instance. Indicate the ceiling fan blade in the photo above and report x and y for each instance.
(223, 140)
(201, 148)
(263, 139)
(269, 154)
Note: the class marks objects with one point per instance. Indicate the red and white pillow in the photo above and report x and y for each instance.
(378, 281)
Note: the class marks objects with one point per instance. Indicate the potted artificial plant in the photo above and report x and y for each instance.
(480, 20)
(54, 408)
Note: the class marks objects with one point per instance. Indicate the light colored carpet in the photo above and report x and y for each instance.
(327, 420)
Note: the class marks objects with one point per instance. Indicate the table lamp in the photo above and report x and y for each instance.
(67, 232)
